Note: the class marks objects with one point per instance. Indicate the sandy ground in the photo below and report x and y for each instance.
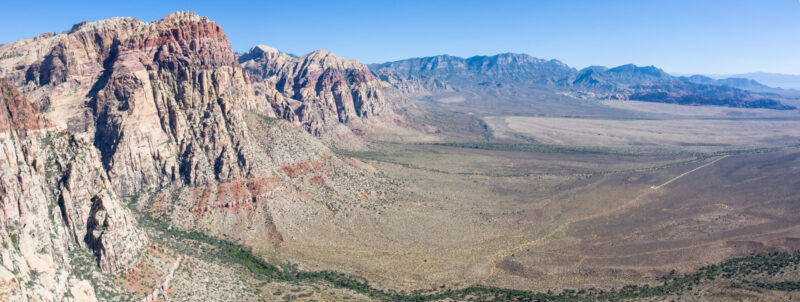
(669, 133)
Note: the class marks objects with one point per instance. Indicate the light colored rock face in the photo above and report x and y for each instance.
(8, 284)
(54, 198)
(413, 85)
(83, 291)
(126, 105)
(94, 216)
(159, 100)
(317, 91)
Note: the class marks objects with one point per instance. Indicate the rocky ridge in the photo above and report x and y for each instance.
(318, 91)
(519, 74)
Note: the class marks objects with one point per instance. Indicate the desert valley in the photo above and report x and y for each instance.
(149, 161)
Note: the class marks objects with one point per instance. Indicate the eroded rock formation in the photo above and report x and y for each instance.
(120, 107)
(159, 100)
(54, 198)
(116, 106)
(318, 90)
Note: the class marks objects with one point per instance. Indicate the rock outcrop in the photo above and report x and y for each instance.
(116, 106)
(92, 212)
(159, 100)
(54, 198)
(317, 91)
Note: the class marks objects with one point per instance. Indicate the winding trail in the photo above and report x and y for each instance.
(687, 173)
(499, 255)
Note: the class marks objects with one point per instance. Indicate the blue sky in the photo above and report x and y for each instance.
(680, 36)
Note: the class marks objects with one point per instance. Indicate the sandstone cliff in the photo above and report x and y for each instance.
(55, 199)
(159, 100)
(162, 113)
(318, 91)
(130, 106)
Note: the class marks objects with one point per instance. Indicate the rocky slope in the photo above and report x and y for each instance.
(318, 91)
(518, 75)
(159, 100)
(131, 105)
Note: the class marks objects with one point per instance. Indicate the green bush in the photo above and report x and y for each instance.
(15, 240)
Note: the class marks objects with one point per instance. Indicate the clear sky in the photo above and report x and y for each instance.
(680, 36)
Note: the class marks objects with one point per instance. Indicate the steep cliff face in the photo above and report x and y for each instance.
(159, 100)
(54, 198)
(128, 106)
(317, 91)
(181, 76)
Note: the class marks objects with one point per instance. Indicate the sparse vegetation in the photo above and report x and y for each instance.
(537, 148)
(733, 269)
(781, 286)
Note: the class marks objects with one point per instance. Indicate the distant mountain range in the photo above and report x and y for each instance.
(741, 83)
(785, 81)
(517, 74)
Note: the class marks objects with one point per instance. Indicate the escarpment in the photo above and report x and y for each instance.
(159, 100)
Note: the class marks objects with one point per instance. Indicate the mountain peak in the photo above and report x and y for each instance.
(632, 67)
(264, 49)
(260, 52)
(319, 53)
(594, 68)
(179, 16)
(630, 73)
